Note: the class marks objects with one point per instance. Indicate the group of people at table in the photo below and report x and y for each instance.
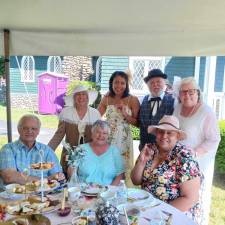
(179, 137)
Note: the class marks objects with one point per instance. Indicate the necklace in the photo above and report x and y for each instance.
(191, 112)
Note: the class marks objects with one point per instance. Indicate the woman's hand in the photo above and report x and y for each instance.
(147, 153)
(122, 109)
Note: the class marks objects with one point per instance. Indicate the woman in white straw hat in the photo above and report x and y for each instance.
(75, 121)
(168, 170)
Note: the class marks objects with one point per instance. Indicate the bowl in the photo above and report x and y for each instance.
(64, 212)
(80, 220)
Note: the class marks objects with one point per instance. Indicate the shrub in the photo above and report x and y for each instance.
(220, 155)
(135, 133)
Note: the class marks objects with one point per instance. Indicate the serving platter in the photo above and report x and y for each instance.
(19, 189)
(33, 205)
(42, 166)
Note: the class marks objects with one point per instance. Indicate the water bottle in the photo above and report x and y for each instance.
(74, 179)
(122, 193)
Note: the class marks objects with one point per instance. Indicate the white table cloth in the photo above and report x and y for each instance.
(178, 217)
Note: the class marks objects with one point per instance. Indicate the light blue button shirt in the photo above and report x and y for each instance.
(17, 156)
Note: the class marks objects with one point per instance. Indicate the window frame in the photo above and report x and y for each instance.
(24, 67)
(53, 59)
(146, 59)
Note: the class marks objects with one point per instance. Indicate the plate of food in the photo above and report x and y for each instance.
(21, 189)
(49, 185)
(93, 190)
(42, 166)
(32, 187)
(80, 220)
(34, 219)
(33, 205)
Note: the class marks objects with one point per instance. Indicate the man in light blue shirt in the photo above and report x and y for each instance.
(16, 157)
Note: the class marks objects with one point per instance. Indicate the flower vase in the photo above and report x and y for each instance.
(74, 179)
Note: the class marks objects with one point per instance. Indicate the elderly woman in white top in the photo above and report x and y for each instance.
(199, 122)
(75, 121)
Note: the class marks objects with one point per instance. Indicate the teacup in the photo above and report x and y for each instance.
(109, 196)
(74, 193)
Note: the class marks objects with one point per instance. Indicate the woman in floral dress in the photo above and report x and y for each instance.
(169, 170)
(121, 109)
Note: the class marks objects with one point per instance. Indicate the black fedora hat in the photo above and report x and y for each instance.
(155, 73)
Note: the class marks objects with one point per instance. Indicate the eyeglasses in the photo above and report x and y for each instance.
(189, 91)
(29, 128)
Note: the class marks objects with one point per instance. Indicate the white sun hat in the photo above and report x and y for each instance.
(92, 95)
(168, 123)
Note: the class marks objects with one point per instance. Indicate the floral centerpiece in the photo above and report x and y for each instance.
(75, 157)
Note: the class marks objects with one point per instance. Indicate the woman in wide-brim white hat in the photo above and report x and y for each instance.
(75, 120)
(168, 169)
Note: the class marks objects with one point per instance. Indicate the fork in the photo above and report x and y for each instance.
(150, 207)
(170, 216)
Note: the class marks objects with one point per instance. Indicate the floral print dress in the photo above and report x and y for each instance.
(120, 135)
(165, 180)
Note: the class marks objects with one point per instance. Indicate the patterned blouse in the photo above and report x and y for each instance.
(165, 180)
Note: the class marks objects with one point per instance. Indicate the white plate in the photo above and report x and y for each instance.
(57, 184)
(13, 196)
(93, 190)
(45, 210)
(10, 187)
(137, 194)
(39, 169)
(108, 194)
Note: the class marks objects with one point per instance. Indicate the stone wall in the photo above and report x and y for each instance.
(2, 94)
(24, 101)
(77, 67)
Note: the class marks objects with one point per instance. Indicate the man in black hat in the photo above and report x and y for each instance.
(155, 105)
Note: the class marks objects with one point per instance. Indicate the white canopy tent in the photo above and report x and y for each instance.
(104, 27)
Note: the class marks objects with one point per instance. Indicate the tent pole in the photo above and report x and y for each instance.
(8, 102)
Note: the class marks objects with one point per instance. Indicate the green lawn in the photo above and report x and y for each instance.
(47, 121)
(217, 214)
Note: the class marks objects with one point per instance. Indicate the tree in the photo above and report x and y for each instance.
(2, 66)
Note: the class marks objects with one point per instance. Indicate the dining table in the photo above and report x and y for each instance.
(149, 208)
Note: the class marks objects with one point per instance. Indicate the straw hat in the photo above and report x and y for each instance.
(168, 123)
(92, 95)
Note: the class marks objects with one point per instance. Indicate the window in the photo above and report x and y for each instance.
(139, 67)
(27, 69)
(98, 70)
(54, 64)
